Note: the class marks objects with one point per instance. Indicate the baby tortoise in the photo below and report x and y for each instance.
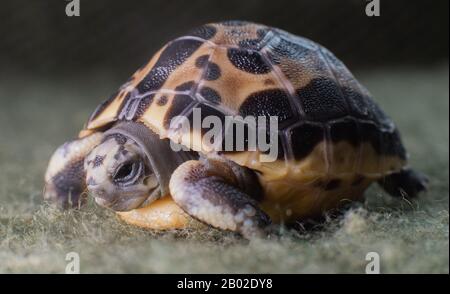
(333, 140)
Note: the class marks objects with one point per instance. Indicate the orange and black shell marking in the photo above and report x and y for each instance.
(333, 139)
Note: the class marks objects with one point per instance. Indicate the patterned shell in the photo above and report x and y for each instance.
(328, 124)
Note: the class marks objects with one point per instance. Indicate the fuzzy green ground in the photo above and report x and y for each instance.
(38, 114)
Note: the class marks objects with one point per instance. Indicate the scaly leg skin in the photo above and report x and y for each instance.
(219, 193)
(65, 179)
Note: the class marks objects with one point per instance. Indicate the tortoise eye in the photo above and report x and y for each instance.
(128, 172)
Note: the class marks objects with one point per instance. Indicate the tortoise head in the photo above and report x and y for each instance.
(119, 174)
(131, 168)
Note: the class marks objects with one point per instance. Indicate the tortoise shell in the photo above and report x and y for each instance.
(333, 139)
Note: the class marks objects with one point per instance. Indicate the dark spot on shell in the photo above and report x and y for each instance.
(205, 111)
(98, 160)
(185, 86)
(242, 142)
(345, 130)
(304, 139)
(179, 103)
(144, 104)
(212, 72)
(162, 100)
(362, 106)
(322, 100)
(356, 132)
(233, 142)
(371, 133)
(248, 61)
(205, 32)
(175, 54)
(201, 61)
(273, 102)
(211, 95)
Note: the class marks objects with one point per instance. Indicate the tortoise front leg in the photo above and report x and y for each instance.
(65, 179)
(217, 192)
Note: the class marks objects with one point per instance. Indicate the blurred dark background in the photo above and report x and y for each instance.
(38, 38)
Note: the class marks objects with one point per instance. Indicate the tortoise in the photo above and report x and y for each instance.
(331, 139)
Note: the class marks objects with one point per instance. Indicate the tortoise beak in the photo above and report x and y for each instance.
(119, 201)
(124, 205)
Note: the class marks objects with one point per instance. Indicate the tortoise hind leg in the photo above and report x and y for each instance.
(217, 192)
(407, 182)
